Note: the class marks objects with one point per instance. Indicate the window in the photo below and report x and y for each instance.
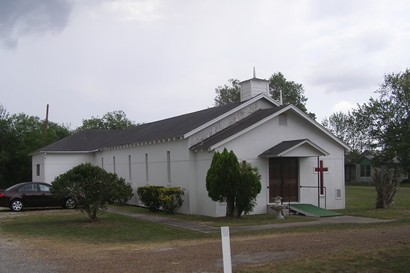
(28, 188)
(146, 168)
(113, 164)
(102, 163)
(44, 188)
(129, 168)
(169, 166)
(38, 169)
(365, 171)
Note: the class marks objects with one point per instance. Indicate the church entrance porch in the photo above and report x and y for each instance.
(284, 178)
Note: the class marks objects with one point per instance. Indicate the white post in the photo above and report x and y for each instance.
(226, 250)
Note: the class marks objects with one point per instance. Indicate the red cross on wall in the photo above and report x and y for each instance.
(320, 170)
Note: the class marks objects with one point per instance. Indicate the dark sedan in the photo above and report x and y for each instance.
(32, 194)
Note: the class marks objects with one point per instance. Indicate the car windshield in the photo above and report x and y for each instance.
(13, 188)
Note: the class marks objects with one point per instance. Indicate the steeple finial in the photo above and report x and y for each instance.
(254, 73)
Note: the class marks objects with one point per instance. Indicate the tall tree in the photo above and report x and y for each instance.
(346, 127)
(6, 144)
(111, 120)
(227, 93)
(292, 93)
(21, 135)
(386, 119)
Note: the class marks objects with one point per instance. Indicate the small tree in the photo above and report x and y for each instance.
(222, 179)
(249, 187)
(92, 188)
(233, 183)
(387, 184)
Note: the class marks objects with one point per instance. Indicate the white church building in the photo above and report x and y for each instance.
(297, 158)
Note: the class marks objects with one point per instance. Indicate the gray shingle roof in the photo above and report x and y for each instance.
(171, 127)
(285, 146)
(83, 141)
(282, 147)
(93, 139)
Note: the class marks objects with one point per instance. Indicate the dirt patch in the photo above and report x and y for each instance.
(206, 255)
(195, 256)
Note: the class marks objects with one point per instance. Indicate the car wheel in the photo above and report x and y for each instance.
(69, 203)
(16, 205)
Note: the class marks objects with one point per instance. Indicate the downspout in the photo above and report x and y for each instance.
(318, 182)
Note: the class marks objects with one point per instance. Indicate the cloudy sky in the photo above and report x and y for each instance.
(155, 59)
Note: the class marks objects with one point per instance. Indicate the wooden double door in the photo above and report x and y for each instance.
(284, 178)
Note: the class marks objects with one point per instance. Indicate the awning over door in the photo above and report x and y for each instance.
(295, 148)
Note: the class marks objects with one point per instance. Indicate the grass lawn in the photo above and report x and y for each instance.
(72, 225)
(361, 201)
(66, 225)
(110, 228)
(394, 259)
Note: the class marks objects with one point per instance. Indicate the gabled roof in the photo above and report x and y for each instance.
(253, 120)
(295, 146)
(95, 139)
(235, 128)
(178, 127)
(227, 113)
(174, 127)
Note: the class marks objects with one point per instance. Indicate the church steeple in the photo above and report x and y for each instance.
(253, 87)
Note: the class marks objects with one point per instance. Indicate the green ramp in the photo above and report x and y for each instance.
(312, 211)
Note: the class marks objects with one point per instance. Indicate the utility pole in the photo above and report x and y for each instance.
(45, 127)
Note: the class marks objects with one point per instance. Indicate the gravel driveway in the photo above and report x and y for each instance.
(14, 257)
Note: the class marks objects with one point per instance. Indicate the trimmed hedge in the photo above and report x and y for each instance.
(156, 198)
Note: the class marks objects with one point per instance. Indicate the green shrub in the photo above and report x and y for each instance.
(91, 188)
(171, 199)
(160, 197)
(149, 196)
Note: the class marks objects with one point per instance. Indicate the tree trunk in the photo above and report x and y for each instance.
(387, 185)
(230, 207)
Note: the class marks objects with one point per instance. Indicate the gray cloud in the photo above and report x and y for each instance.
(27, 17)
(344, 80)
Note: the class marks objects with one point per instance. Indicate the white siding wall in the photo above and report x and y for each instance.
(52, 165)
(251, 144)
(204, 204)
(180, 167)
